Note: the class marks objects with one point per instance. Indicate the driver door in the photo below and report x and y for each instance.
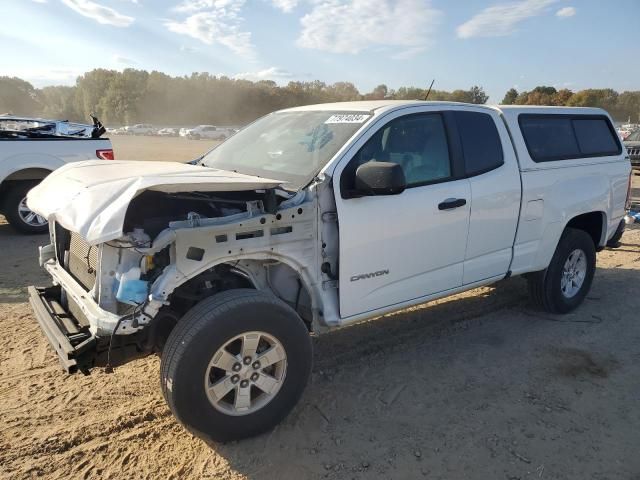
(396, 249)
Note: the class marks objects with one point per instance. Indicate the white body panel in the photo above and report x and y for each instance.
(495, 205)
(422, 248)
(45, 154)
(419, 249)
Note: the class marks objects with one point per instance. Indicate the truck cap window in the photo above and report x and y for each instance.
(594, 137)
(288, 146)
(416, 142)
(481, 144)
(565, 137)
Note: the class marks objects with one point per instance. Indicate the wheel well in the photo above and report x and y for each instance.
(592, 223)
(214, 280)
(279, 278)
(26, 175)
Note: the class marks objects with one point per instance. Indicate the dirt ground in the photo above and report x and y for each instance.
(165, 149)
(477, 386)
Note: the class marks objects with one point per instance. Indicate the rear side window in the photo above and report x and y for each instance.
(481, 144)
(595, 138)
(564, 137)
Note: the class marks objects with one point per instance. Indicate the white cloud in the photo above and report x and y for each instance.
(123, 60)
(350, 26)
(191, 6)
(43, 76)
(566, 12)
(214, 21)
(285, 5)
(99, 13)
(501, 20)
(273, 73)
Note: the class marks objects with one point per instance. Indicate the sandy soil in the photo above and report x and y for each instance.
(165, 149)
(480, 386)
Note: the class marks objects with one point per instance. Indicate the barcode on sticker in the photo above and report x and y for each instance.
(347, 118)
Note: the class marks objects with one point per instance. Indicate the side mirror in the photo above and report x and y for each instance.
(379, 178)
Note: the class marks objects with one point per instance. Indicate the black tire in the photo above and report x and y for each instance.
(196, 136)
(13, 198)
(205, 329)
(545, 286)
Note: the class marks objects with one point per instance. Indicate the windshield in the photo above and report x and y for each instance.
(633, 137)
(288, 146)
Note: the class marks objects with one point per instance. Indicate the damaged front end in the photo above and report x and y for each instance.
(119, 298)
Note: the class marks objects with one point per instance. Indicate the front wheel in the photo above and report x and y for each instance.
(21, 217)
(235, 365)
(565, 283)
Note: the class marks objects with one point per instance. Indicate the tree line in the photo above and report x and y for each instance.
(135, 96)
(621, 106)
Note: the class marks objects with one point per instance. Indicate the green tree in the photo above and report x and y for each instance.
(58, 102)
(510, 97)
(628, 107)
(561, 97)
(595, 97)
(18, 97)
(378, 93)
(477, 95)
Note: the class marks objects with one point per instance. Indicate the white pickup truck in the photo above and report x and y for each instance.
(30, 149)
(314, 218)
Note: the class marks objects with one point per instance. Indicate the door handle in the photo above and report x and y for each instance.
(451, 203)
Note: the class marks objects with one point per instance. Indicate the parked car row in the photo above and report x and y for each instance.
(209, 132)
(632, 144)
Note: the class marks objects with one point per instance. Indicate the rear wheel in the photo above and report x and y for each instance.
(19, 216)
(235, 365)
(565, 283)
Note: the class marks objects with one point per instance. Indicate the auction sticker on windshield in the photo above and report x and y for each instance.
(347, 118)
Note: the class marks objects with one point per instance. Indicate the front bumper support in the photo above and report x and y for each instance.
(74, 345)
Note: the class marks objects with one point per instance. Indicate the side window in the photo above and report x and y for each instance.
(564, 137)
(549, 138)
(595, 137)
(480, 140)
(416, 142)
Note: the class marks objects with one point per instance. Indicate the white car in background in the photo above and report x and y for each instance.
(140, 129)
(168, 132)
(209, 132)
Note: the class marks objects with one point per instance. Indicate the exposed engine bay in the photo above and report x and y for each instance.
(154, 211)
(180, 248)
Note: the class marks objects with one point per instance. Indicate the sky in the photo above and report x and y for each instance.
(497, 44)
